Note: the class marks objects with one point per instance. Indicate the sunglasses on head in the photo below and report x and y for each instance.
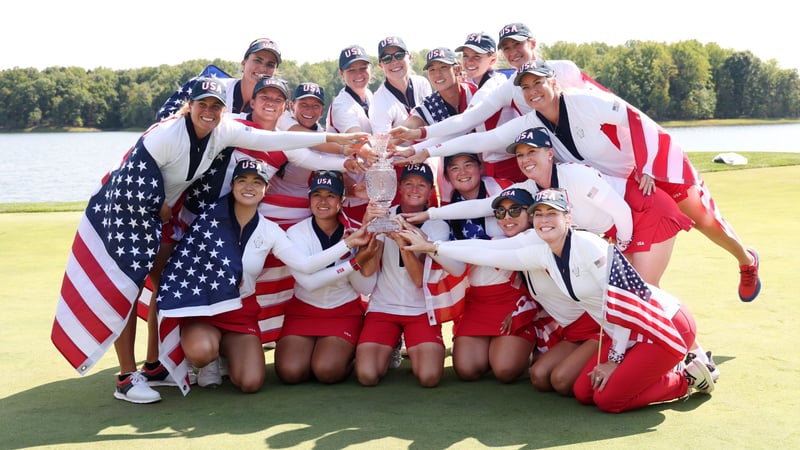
(514, 212)
(325, 173)
(398, 55)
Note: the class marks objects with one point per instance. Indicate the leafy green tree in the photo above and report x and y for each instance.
(691, 89)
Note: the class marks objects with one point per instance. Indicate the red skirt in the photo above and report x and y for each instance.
(302, 319)
(485, 309)
(243, 320)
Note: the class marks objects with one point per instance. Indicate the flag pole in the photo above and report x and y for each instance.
(609, 262)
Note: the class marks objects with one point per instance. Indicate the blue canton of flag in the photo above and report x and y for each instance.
(436, 107)
(203, 192)
(125, 213)
(202, 276)
(181, 96)
(624, 276)
(630, 304)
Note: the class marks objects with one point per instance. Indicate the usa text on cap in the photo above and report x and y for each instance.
(441, 54)
(536, 67)
(208, 87)
(535, 137)
(479, 42)
(246, 166)
(264, 44)
(304, 90)
(331, 180)
(516, 195)
(391, 41)
(557, 198)
(517, 31)
(351, 54)
(423, 170)
(269, 82)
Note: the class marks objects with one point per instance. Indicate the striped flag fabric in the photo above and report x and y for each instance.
(114, 248)
(630, 304)
(445, 294)
(203, 273)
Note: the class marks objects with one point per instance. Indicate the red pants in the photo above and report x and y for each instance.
(645, 376)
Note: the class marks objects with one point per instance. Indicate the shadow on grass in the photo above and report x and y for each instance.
(83, 410)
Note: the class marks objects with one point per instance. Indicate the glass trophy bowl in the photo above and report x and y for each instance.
(381, 180)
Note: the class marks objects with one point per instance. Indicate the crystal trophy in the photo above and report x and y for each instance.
(381, 179)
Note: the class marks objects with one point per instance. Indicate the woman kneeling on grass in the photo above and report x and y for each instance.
(635, 365)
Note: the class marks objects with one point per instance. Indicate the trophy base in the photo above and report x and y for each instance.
(383, 225)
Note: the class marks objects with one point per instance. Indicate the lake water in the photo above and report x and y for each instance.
(60, 167)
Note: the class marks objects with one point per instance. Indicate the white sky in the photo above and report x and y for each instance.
(142, 33)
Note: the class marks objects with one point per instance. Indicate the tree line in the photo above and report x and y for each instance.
(686, 80)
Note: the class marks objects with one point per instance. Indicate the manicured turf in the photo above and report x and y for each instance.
(756, 404)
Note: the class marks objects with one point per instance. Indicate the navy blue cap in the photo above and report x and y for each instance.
(442, 54)
(449, 158)
(517, 31)
(263, 44)
(304, 90)
(535, 137)
(480, 42)
(536, 67)
(351, 54)
(208, 87)
(557, 198)
(331, 180)
(516, 195)
(276, 83)
(423, 170)
(391, 41)
(255, 166)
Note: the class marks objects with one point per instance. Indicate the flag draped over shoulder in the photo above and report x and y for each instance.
(114, 248)
(630, 304)
(202, 276)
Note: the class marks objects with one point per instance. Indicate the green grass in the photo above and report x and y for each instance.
(45, 404)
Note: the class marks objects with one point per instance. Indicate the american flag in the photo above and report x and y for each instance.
(630, 304)
(113, 251)
(445, 294)
(202, 276)
(181, 95)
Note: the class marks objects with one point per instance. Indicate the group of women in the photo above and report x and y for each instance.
(481, 159)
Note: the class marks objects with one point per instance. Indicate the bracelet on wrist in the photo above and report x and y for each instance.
(423, 133)
(436, 247)
(615, 357)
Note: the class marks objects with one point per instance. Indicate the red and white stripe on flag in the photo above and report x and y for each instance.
(630, 305)
(445, 294)
(95, 301)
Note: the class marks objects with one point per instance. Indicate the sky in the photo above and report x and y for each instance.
(146, 33)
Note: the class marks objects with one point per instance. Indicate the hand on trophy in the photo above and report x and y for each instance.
(381, 179)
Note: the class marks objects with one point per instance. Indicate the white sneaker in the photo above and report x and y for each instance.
(707, 360)
(699, 377)
(134, 389)
(209, 376)
(397, 358)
